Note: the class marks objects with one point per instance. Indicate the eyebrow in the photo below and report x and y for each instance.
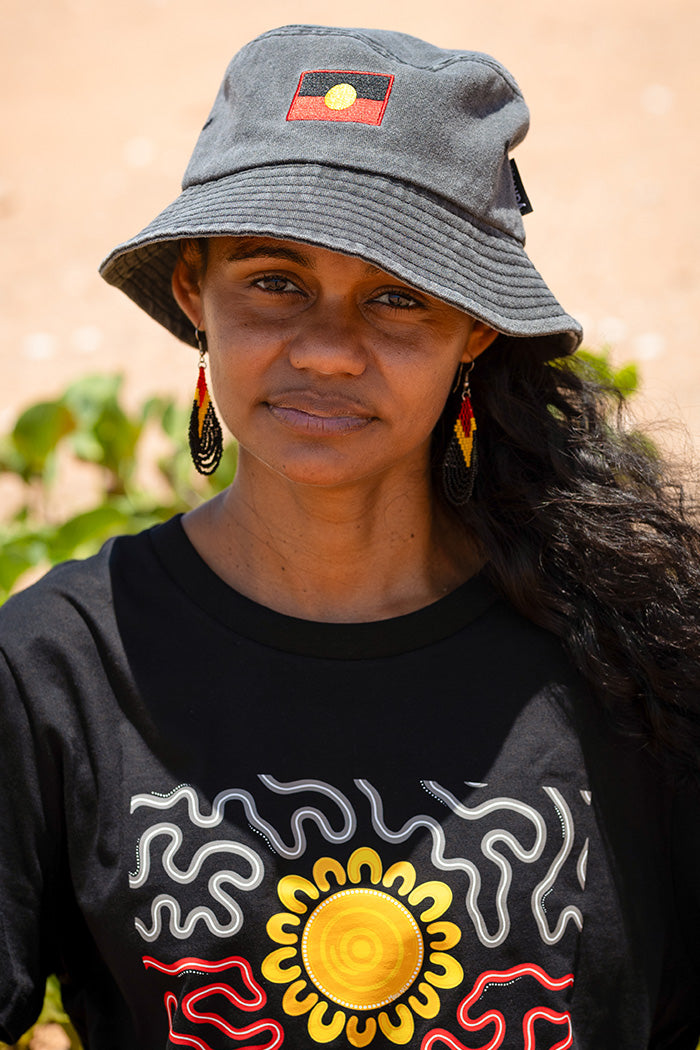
(244, 249)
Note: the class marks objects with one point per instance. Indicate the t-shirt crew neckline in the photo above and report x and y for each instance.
(337, 641)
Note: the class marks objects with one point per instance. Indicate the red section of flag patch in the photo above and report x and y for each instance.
(341, 95)
(362, 111)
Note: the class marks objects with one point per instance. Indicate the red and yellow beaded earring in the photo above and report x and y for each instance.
(459, 463)
(206, 444)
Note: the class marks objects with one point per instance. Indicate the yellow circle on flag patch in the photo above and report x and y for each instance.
(340, 96)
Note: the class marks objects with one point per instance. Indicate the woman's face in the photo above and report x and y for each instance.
(325, 368)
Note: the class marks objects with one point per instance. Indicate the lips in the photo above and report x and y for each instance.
(311, 413)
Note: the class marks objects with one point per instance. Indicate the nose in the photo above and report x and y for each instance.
(329, 342)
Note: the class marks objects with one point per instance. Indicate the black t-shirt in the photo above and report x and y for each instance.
(227, 827)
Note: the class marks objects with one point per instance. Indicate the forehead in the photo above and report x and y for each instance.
(311, 256)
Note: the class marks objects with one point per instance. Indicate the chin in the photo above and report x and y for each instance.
(320, 465)
(318, 468)
(320, 476)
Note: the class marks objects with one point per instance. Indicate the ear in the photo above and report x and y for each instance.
(480, 338)
(186, 291)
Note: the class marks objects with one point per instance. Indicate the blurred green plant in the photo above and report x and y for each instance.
(598, 365)
(89, 424)
(52, 1013)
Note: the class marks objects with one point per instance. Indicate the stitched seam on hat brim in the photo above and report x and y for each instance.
(443, 203)
(495, 248)
(467, 256)
(246, 226)
(489, 258)
(435, 266)
(493, 281)
(441, 275)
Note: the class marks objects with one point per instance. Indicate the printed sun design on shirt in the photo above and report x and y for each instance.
(362, 948)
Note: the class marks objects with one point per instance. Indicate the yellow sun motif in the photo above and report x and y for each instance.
(362, 948)
(340, 96)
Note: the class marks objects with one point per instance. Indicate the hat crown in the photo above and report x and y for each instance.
(445, 125)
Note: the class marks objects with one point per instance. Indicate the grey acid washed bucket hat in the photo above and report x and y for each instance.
(371, 143)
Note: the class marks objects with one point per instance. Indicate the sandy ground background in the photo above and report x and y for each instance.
(101, 102)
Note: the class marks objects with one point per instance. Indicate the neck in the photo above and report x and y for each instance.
(358, 553)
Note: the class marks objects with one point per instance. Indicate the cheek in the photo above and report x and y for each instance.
(240, 373)
(430, 390)
(229, 384)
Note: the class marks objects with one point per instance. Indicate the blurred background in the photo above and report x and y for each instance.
(101, 104)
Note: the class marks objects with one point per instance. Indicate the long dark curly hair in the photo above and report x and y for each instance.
(587, 534)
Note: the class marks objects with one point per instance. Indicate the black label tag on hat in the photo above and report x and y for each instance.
(520, 194)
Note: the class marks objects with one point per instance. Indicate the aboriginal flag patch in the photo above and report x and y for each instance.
(341, 94)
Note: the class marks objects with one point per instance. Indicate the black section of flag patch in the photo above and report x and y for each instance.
(367, 85)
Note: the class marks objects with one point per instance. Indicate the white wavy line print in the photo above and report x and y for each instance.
(489, 843)
(489, 940)
(165, 902)
(174, 833)
(570, 912)
(298, 846)
(582, 866)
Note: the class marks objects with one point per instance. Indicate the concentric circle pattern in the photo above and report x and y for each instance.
(362, 948)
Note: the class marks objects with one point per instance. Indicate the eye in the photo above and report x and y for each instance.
(276, 283)
(397, 299)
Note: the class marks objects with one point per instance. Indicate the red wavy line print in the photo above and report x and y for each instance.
(204, 966)
(187, 1006)
(496, 1018)
(181, 1040)
(265, 1024)
(541, 1011)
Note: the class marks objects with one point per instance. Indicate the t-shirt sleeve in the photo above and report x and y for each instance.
(29, 866)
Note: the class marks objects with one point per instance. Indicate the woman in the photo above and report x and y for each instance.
(374, 748)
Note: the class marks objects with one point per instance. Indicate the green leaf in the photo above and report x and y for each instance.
(53, 1004)
(626, 380)
(38, 431)
(87, 397)
(86, 446)
(597, 365)
(106, 435)
(117, 436)
(85, 533)
(16, 556)
(101, 432)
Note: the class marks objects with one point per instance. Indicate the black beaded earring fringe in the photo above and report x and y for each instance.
(206, 442)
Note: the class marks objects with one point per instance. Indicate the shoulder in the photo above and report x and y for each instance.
(72, 597)
(62, 587)
(62, 654)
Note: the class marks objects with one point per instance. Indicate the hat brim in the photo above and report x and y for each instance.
(405, 231)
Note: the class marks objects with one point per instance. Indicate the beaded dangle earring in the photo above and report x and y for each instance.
(459, 464)
(205, 431)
